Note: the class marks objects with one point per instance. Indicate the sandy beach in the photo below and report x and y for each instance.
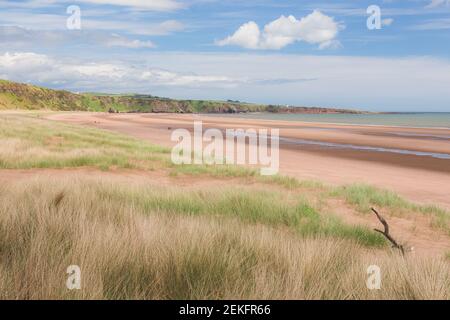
(202, 153)
(410, 161)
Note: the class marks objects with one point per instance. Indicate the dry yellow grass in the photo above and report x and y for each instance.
(148, 242)
(27, 141)
(127, 251)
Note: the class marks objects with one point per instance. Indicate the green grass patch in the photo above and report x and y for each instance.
(291, 182)
(214, 171)
(269, 208)
(364, 197)
(29, 142)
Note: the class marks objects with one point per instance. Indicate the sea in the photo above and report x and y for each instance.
(417, 119)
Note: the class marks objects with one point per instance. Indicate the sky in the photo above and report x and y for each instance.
(385, 55)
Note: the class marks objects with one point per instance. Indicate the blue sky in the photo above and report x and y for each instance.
(308, 53)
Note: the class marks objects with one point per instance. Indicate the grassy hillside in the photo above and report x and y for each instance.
(24, 96)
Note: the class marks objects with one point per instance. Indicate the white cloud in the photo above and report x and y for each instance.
(433, 24)
(176, 79)
(27, 38)
(159, 5)
(151, 5)
(316, 28)
(437, 3)
(332, 44)
(247, 36)
(42, 69)
(119, 41)
(373, 83)
(91, 20)
(156, 29)
(20, 62)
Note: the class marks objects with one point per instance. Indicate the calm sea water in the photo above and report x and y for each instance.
(435, 120)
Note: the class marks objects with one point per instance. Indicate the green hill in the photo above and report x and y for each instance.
(24, 96)
(29, 97)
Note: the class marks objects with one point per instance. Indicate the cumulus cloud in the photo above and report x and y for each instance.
(114, 76)
(315, 28)
(42, 69)
(247, 36)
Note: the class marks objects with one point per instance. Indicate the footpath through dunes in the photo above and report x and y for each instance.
(180, 195)
(408, 161)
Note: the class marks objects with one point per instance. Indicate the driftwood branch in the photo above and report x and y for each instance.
(386, 233)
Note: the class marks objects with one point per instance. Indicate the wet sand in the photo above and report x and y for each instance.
(410, 161)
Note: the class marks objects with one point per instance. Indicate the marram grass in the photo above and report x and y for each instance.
(133, 248)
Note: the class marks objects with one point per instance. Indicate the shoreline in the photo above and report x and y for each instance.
(236, 116)
(399, 173)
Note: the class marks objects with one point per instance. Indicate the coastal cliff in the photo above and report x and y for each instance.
(15, 95)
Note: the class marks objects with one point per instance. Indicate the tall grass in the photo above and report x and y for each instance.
(140, 241)
(163, 251)
(29, 142)
(363, 197)
(248, 205)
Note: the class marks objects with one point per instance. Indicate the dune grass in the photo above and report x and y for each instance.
(248, 205)
(130, 247)
(29, 142)
(292, 183)
(217, 171)
(363, 197)
(140, 241)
